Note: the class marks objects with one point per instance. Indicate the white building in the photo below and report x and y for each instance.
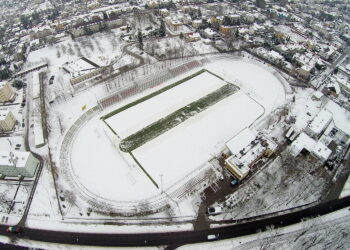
(308, 144)
(82, 69)
(318, 125)
(247, 148)
(17, 163)
(7, 120)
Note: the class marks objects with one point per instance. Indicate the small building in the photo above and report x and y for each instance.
(174, 24)
(226, 30)
(237, 168)
(6, 92)
(164, 12)
(344, 85)
(306, 144)
(196, 23)
(192, 37)
(7, 120)
(17, 164)
(319, 124)
(82, 69)
(247, 148)
(210, 34)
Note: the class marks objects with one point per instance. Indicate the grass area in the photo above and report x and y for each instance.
(161, 126)
(145, 98)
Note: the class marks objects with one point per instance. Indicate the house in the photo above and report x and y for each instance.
(15, 164)
(6, 92)
(7, 120)
(174, 24)
(192, 37)
(211, 34)
(196, 23)
(226, 30)
(164, 12)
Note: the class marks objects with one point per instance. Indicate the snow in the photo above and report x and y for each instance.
(304, 109)
(189, 145)
(145, 113)
(101, 48)
(320, 122)
(346, 189)
(241, 140)
(103, 171)
(178, 152)
(255, 79)
(341, 116)
(316, 233)
(38, 132)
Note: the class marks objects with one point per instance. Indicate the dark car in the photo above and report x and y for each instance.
(51, 79)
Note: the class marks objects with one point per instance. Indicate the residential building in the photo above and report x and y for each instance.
(192, 37)
(319, 124)
(174, 24)
(7, 120)
(6, 92)
(17, 164)
(226, 30)
(305, 144)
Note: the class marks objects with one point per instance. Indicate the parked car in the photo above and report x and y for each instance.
(234, 182)
(51, 79)
(14, 230)
(213, 237)
(214, 210)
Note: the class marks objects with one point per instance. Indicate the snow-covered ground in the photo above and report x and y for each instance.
(101, 48)
(330, 231)
(103, 169)
(255, 79)
(145, 113)
(192, 143)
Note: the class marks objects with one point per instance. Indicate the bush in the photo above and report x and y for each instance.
(18, 84)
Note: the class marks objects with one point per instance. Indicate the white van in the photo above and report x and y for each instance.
(213, 237)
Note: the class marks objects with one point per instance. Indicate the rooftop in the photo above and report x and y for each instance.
(16, 159)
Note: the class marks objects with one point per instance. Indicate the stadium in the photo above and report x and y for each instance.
(155, 137)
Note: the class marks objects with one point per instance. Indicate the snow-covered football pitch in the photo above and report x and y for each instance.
(168, 157)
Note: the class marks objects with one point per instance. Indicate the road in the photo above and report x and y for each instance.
(21, 223)
(317, 81)
(177, 238)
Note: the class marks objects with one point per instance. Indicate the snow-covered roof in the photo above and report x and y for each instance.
(209, 32)
(306, 142)
(341, 117)
(302, 141)
(2, 84)
(241, 140)
(16, 159)
(4, 113)
(321, 151)
(240, 168)
(320, 122)
(36, 85)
